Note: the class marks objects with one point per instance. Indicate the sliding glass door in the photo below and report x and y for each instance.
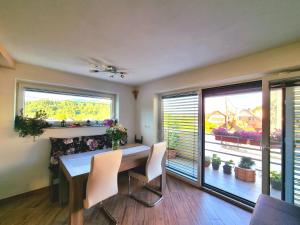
(249, 138)
(232, 134)
(179, 121)
(285, 140)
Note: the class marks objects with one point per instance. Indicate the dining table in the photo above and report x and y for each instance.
(74, 170)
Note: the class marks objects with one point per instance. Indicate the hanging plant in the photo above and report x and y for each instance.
(26, 126)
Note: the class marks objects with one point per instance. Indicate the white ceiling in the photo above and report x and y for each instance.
(151, 38)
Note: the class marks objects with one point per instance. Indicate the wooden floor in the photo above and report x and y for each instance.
(182, 205)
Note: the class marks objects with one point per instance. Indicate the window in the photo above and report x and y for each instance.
(63, 104)
(180, 130)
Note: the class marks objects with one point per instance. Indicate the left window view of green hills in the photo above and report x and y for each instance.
(67, 107)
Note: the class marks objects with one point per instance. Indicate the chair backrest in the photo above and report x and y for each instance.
(103, 178)
(154, 163)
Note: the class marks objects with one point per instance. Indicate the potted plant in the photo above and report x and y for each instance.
(31, 126)
(207, 161)
(275, 179)
(172, 144)
(243, 171)
(216, 162)
(227, 168)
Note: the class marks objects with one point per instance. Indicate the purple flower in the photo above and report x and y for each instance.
(108, 122)
(253, 135)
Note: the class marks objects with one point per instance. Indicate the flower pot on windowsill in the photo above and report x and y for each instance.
(276, 184)
(247, 175)
(206, 163)
(171, 153)
(227, 169)
(215, 166)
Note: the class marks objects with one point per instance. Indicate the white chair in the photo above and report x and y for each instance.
(103, 180)
(152, 170)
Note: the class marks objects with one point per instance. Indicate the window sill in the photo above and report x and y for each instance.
(72, 127)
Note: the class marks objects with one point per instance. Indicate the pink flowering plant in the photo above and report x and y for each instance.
(253, 135)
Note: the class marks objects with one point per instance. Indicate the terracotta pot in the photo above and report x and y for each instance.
(218, 137)
(247, 175)
(254, 142)
(171, 153)
(206, 163)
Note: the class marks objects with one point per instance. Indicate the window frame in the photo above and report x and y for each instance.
(54, 89)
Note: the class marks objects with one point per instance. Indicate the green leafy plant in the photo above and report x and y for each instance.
(207, 159)
(35, 126)
(116, 132)
(275, 179)
(246, 163)
(216, 162)
(229, 163)
(173, 139)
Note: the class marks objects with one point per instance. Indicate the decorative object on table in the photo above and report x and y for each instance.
(207, 161)
(227, 168)
(138, 140)
(88, 123)
(243, 171)
(216, 162)
(115, 131)
(275, 180)
(31, 126)
(63, 123)
(124, 140)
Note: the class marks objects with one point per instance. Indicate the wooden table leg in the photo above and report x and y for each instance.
(63, 188)
(76, 186)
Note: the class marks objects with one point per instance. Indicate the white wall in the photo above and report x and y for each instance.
(242, 69)
(24, 163)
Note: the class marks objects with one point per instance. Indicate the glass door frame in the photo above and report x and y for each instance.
(219, 89)
(283, 81)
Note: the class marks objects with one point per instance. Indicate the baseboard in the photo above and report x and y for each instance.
(26, 194)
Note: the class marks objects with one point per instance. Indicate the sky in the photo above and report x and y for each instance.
(239, 101)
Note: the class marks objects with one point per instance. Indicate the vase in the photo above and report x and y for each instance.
(115, 144)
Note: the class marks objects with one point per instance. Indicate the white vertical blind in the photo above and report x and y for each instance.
(297, 145)
(179, 122)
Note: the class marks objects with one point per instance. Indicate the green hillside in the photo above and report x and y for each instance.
(74, 110)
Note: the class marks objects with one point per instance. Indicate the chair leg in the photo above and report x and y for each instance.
(148, 204)
(108, 214)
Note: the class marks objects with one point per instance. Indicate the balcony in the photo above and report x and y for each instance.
(229, 151)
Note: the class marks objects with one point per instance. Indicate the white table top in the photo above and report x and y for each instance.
(78, 164)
